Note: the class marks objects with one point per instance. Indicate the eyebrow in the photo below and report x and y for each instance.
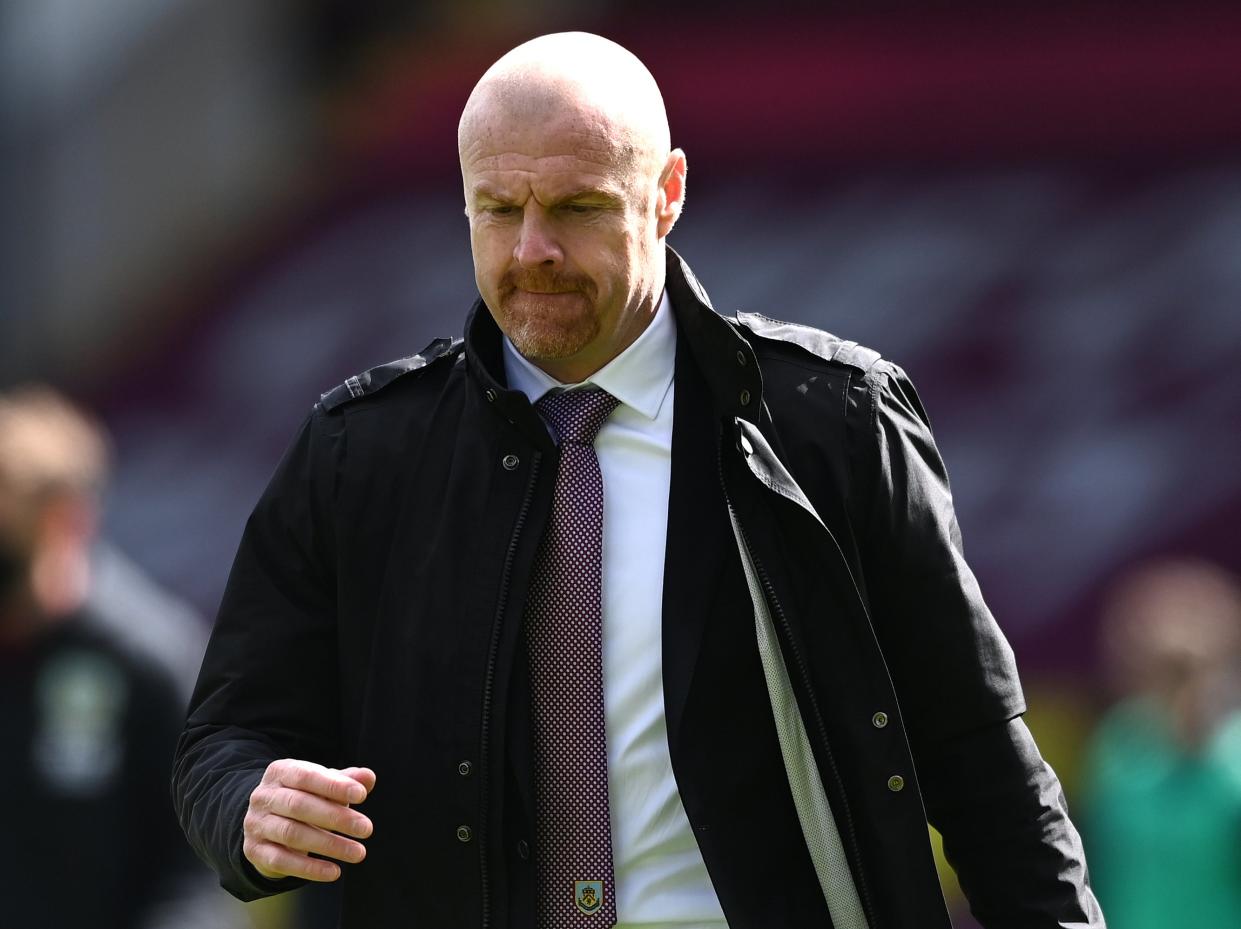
(485, 191)
(591, 193)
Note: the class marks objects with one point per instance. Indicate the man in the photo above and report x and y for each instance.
(1163, 774)
(637, 615)
(88, 721)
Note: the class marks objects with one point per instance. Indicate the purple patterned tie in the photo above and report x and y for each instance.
(564, 636)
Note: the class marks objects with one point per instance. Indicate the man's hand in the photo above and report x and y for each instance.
(298, 808)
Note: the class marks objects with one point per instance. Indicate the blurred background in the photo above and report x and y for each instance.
(216, 209)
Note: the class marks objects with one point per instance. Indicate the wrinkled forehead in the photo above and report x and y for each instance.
(516, 148)
(538, 113)
(592, 142)
(540, 120)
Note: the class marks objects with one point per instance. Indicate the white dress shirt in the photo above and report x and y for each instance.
(661, 880)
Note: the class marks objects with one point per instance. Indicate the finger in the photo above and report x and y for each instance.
(315, 811)
(316, 779)
(303, 838)
(364, 776)
(276, 859)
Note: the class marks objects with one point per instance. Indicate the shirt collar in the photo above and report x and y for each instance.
(639, 377)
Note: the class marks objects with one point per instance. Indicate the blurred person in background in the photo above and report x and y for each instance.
(1164, 769)
(88, 720)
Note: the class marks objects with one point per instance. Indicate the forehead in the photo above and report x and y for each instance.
(560, 153)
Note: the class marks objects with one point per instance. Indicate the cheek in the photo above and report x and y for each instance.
(620, 246)
(630, 253)
(491, 253)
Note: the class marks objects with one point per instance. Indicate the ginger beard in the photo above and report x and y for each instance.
(548, 315)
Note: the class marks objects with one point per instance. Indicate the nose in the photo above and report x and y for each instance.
(537, 245)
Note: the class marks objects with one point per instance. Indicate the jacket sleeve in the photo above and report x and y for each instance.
(997, 804)
(268, 685)
(1007, 831)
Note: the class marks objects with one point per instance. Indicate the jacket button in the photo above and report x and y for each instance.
(510, 462)
(490, 395)
(896, 783)
(741, 358)
(464, 768)
(879, 720)
(745, 398)
(464, 833)
(523, 849)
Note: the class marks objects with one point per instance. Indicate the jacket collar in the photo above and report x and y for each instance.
(484, 358)
(720, 352)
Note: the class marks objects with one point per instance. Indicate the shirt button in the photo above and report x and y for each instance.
(510, 462)
(896, 783)
(523, 849)
(464, 768)
(464, 833)
(879, 720)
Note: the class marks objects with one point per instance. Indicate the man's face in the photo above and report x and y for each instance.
(564, 233)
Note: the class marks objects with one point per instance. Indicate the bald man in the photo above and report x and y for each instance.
(638, 615)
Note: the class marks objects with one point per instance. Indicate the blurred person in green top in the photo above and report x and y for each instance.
(1164, 772)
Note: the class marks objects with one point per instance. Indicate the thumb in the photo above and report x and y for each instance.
(364, 776)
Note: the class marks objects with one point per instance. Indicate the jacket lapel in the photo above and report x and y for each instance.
(698, 535)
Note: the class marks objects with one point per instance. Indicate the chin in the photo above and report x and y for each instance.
(549, 329)
(537, 340)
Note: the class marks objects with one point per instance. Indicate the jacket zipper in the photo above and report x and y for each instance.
(804, 675)
(484, 750)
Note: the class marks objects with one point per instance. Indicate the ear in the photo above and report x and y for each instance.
(671, 198)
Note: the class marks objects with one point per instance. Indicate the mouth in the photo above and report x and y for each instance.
(549, 297)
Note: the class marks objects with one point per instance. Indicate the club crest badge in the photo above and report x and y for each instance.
(588, 895)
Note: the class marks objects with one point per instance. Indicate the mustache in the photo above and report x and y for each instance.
(555, 282)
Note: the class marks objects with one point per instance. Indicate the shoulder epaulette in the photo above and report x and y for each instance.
(819, 343)
(379, 377)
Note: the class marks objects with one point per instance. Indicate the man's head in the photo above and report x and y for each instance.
(1172, 632)
(53, 462)
(570, 188)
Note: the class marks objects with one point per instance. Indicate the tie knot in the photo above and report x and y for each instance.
(577, 415)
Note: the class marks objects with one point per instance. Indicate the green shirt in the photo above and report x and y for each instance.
(1164, 837)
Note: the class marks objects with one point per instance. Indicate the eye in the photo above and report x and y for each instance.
(581, 209)
(502, 210)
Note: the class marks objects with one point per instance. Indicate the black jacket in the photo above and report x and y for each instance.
(87, 725)
(373, 610)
